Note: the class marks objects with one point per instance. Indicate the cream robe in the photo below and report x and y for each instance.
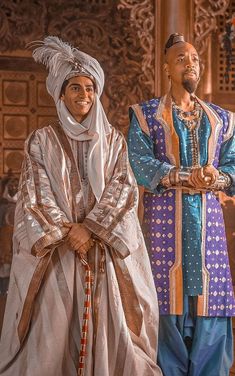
(42, 325)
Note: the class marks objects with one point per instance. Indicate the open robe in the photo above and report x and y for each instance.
(42, 324)
(184, 229)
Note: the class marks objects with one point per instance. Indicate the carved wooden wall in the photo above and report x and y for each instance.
(207, 32)
(120, 34)
(210, 23)
(25, 106)
(199, 21)
(223, 91)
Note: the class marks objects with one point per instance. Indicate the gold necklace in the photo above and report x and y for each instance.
(192, 120)
(189, 118)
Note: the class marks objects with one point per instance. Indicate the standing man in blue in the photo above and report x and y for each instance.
(182, 151)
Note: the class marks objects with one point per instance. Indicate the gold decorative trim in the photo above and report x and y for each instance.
(107, 236)
(176, 273)
(78, 209)
(43, 245)
(216, 125)
(231, 127)
(203, 300)
(141, 119)
(164, 116)
(32, 292)
(130, 302)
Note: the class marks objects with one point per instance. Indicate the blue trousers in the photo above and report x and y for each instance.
(195, 346)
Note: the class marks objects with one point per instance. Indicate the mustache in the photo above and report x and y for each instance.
(190, 70)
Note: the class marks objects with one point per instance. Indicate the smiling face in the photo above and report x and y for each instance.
(183, 66)
(78, 96)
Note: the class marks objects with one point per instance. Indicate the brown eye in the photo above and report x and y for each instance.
(90, 89)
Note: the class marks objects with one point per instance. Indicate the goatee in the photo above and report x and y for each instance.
(189, 85)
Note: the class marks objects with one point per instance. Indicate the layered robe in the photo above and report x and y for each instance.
(184, 230)
(43, 319)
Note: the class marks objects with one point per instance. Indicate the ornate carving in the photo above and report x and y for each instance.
(25, 106)
(206, 14)
(142, 19)
(227, 42)
(12, 160)
(120, 34)
(20, 22)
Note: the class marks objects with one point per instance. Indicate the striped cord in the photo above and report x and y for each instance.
(87, 306)
(86, 315)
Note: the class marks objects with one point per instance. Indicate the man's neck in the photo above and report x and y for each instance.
(182, 98)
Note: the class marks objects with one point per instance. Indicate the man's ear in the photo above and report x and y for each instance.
(166, 69)
(62, 97)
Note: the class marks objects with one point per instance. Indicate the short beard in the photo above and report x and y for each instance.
(189, 85)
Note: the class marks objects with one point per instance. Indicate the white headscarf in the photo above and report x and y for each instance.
(64, 62)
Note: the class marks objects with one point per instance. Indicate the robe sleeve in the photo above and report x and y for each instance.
(227, 162)
(38, 219)
(148, 170)
(114, 219)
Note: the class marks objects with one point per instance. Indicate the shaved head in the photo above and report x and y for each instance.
(178, 48)
(182, 65)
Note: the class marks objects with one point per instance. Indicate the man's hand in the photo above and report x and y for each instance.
(203, 177)
(78, 236)
(211, 172)
(86, 247)
(197, 178)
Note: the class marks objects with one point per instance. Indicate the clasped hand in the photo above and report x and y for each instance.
(203, 177)
(79, 238)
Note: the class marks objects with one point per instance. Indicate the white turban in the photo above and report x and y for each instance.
(63, 62)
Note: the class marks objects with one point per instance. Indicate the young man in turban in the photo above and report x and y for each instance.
(81, 298)
(182, 151)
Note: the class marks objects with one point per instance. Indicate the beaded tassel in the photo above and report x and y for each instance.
(87, 306)
(86, 315)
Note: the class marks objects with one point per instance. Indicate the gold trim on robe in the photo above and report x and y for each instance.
(126, 291)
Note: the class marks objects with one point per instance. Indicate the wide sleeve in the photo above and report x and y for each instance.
(147, 169)
(114, 219)
(227, 161)
(38, 219)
